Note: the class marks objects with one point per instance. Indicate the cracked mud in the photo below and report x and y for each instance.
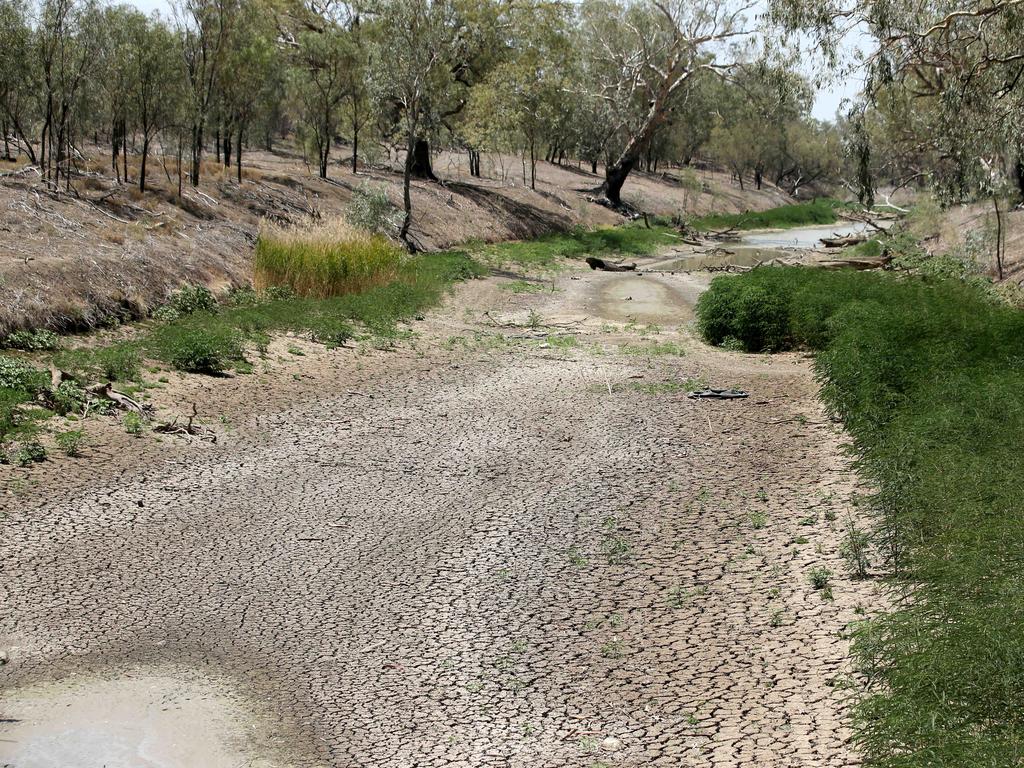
(506, 546)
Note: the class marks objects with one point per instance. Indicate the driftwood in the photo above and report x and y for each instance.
(606, 266)
(876, 262)
(188, 429)
(841, 241)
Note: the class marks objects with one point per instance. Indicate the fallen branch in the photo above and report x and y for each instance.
(188, 429)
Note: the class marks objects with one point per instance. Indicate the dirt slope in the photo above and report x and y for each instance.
(498, 545)
(106, 249)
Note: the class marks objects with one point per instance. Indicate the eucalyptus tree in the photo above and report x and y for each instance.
(638, 55)
(956, 69)
(421, 47)
(155, 82)
(20, 78)
(203, 31)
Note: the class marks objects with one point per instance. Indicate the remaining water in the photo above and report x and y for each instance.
(801, 237)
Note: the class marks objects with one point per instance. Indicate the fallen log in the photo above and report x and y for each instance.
(876, 262)
(841, 241)
(595, 263)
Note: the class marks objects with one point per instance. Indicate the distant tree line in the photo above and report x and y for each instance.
(626, 85)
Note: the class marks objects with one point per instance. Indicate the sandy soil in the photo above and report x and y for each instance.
(495, 545)
(72, 260)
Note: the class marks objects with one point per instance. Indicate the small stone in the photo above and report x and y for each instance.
(611, 744)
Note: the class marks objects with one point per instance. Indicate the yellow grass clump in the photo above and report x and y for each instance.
(328, 259)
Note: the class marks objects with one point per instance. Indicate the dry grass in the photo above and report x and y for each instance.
(328, 259)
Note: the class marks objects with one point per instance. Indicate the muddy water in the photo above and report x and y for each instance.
(151, 719)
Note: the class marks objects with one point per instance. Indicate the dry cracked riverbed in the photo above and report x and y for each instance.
(512, 542)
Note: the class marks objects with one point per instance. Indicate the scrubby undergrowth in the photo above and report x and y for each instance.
(928, 378)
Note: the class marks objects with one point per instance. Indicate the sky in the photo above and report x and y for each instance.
(827, 100)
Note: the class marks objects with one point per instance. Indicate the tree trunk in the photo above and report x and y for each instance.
(615, 176)
(403, 234)
(355, 147)
(197, 153)
(593, 166)
(238, 153)
(142, 164)
(533, 165)
(115, 148)
(999, 237)
(420, 167)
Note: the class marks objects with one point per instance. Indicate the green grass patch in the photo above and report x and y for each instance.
(821, 211)
(549, 252)
(927, 375)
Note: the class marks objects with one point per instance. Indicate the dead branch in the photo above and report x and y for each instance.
(188, 429)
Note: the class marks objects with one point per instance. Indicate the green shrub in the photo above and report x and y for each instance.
(30, 452)
(187, 301)
(132, 423)
(18, 374)
(68, 397)
(32, 341)
(118, 362)
(71, 442)
(927, 374)
(198, 346)
(370, 210)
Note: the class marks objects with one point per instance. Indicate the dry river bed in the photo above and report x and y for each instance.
(511, 541)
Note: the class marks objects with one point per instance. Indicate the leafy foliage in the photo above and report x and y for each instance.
(926, 374)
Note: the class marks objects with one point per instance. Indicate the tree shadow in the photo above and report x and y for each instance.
(522, 219)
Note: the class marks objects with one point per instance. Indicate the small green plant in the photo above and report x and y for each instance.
(576, 557)
(17, 374)
(32, 341)
(71, 441)
(820, 577)
(132, 423)
(758, 519)
(187, 301)
(855, 547)
(68, 397)
(616, 549)
(613, 649)
(30, 452)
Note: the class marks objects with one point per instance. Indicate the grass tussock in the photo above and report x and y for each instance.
(927, 376)
(329, 259)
